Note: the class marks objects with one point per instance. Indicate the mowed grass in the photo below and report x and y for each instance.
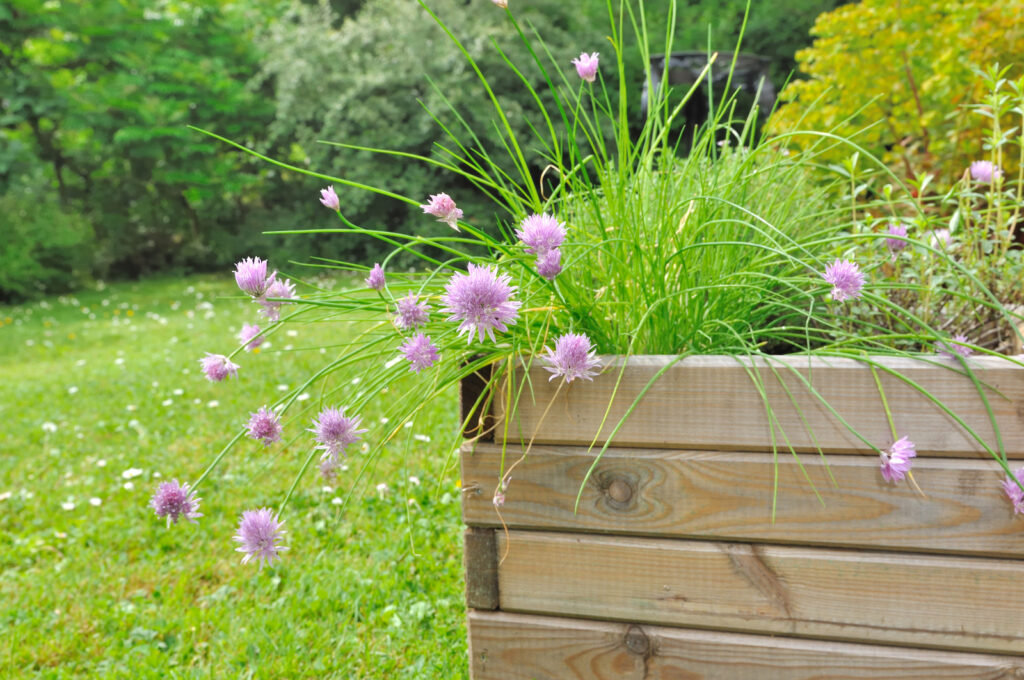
(101, 397)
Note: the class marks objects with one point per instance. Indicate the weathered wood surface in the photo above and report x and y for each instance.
(711, 403)
(963, 603)
(507, 646)
(481, 561)
(728, 495)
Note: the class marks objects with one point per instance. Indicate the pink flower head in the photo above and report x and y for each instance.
(951, 350)
(443, 208)
(251, 276)
(335, 431)
(217, 367)
(985, 171)
(1014, 492)
(329, 198)
(846, 279)
(375, 281)
(260, 533)
(481, 301)
(549, 265)
(541, 233)
(420, 351)
(895, 245)
(265, 426)
(896, 461)
(502, 4)
(173, 501)
(586, 66)
(411, 313)
(572, 358)
(278, 289)
(250, 336)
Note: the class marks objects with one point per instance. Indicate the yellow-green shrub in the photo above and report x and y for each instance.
(896, 76)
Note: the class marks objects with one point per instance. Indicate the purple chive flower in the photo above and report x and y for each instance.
(260, 533)
(250, 336)
(951, 350)
(217, 367)
(586, 66)
(251, 276)
(895, 245)
(896, 461)
(572, 358)
(329, 198)
(411, 312)
(375, 281)
(549, 265)
(1014, 493)
(277, 289)
(480, 300)
(443, 208)
(846, 279)
(502, 4)
(174, 501)
(335, 431)
(420, 351)
(985, 171)
(541, 233)
(265, 426)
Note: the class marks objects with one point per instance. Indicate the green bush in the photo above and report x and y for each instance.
(42, 248)
(896, 77)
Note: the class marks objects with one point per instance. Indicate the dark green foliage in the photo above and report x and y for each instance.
(102, 93)
(43, 248)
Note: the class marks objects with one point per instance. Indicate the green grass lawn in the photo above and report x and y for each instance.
(101, 397)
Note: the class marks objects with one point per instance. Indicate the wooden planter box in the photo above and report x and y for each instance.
(673, 567)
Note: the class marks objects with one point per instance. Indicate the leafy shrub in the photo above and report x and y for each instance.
(895, 77)
(42, 248)
(100, 94)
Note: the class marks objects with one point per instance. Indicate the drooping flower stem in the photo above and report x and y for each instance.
(885, 403)
(892, 425)
(220, 455)
(295, 482)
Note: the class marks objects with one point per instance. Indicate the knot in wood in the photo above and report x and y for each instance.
(636, 641)
(620, 491)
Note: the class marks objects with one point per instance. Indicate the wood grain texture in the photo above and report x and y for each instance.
(481, 563)
(728, 495)
(507, 646)
(711, 403)
(964, 603)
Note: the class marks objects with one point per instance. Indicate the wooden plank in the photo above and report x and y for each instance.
(711, 403)
(964, 603)
(481, 562)
(728, 495)
(507, 646)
